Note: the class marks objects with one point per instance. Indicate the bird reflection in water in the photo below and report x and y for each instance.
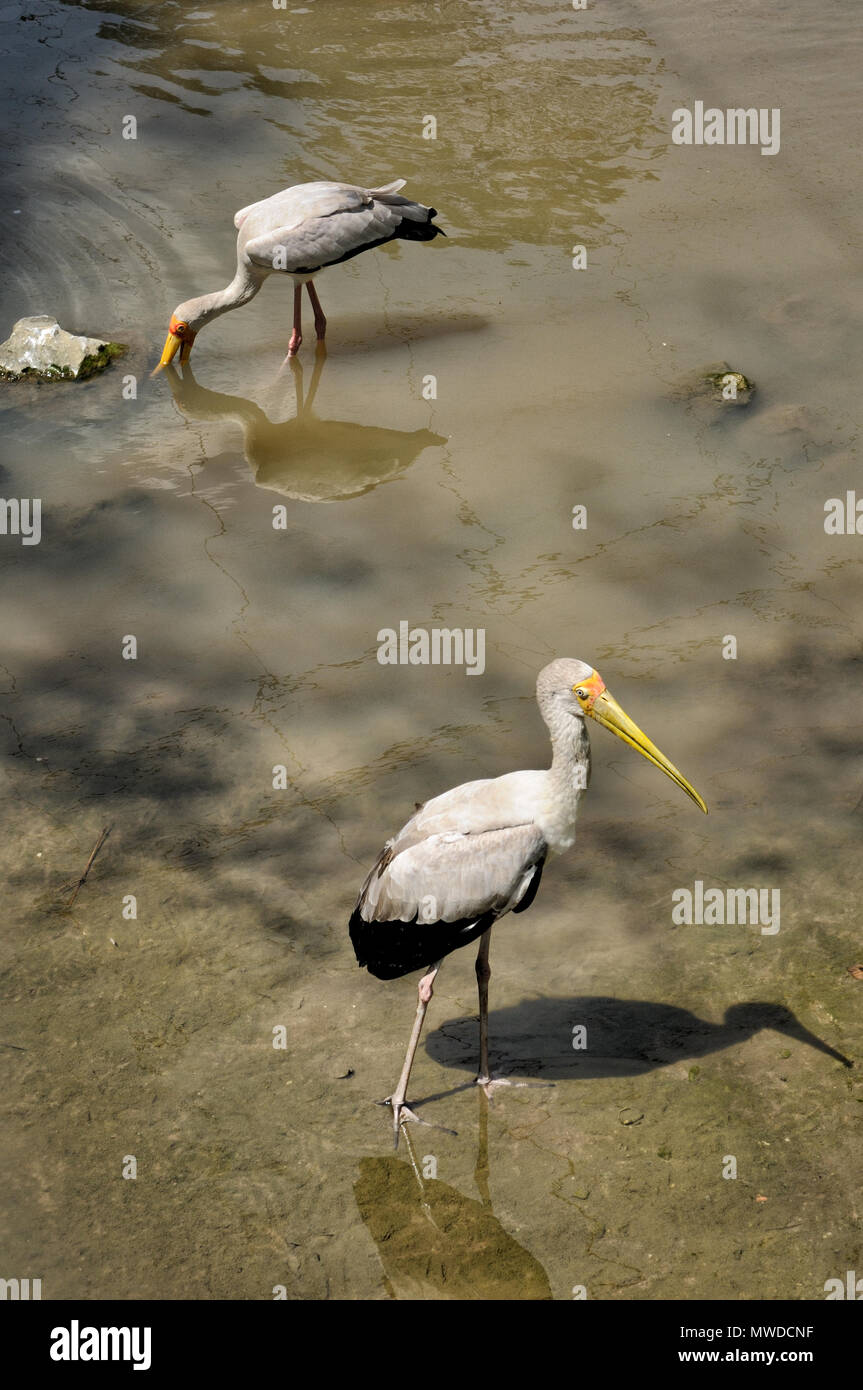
(436, 1243)
(306, 459)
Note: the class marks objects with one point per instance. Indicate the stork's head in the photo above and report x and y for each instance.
(751, 1018)
(182, 330)
(574, 688)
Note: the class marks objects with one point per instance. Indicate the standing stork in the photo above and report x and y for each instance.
(471, 855)
(299, 232)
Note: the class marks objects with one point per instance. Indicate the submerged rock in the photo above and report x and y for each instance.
(728, 385)
(717, 384)
(38, 348)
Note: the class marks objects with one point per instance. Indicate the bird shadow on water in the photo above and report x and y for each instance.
(624, 1037)
(376, 331)
(305, 458)
(436, 1243)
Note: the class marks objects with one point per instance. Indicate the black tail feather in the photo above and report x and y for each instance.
(532, 888)
(419, 231)
(407, 231)
(391, 949)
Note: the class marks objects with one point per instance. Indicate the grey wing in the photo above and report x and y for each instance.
(311, 200)
(292, 205)
(454, 877)
(324, 238)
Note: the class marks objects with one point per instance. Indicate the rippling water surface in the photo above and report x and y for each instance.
(256, 647)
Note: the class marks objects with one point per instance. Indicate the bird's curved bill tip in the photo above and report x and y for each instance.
(173, 344)
(607, 712)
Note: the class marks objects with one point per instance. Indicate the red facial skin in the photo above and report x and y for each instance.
(181, 330)
(594, 685)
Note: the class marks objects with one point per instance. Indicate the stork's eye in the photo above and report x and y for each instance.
(582, 694)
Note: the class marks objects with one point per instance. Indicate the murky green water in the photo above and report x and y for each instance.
(555, 388)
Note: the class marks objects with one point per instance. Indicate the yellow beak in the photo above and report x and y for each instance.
(169, 352)
(607, 712)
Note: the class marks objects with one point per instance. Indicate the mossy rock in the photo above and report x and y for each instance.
(717, 384)
(38, 349)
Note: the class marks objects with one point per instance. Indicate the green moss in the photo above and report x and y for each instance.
(93, 364)
(98, 361)
(719, 380)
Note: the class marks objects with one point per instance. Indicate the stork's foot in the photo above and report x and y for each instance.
(402, 1115)
(294, 344)
(489, 1084)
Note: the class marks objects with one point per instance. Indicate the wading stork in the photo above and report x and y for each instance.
(477, 852)
(299, 232)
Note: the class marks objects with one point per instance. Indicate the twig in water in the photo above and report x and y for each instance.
(83, 879)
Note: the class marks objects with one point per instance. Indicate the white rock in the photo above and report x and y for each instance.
(38, 346)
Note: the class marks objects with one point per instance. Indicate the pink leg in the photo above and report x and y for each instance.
(485, 1080)
(297, 335)
(401, 1111)
(320, 320)
(483, 975)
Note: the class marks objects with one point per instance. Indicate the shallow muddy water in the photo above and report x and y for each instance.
(555, 388)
